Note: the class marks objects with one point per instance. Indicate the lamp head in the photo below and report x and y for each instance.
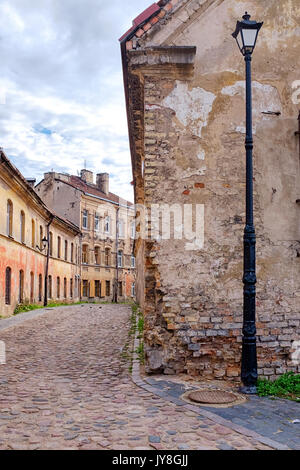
(246, 33)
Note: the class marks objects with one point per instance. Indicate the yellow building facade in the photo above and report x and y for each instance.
(107, 225)
(29, 234)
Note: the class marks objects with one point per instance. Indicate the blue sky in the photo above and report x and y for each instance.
(61, 88)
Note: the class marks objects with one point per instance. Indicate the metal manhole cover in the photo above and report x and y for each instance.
(217, 397)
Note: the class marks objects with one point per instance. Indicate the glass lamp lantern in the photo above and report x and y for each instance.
(246, 34)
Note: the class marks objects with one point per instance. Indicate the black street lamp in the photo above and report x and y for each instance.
(246, 35)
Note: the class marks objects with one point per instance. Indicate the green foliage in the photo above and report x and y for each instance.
(28, 307)
(25, 308)
(286, 386)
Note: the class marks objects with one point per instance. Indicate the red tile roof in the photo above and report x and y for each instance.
(92, 189)
(141, 18)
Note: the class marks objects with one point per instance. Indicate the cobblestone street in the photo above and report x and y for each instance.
(66, 386)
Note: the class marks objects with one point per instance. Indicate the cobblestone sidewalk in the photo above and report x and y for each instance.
(66, 386)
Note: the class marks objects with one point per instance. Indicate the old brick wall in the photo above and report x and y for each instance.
(193, 134)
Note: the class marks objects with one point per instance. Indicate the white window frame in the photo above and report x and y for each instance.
(132, 261)
(120, 259)
(97, 222)
(85, 218)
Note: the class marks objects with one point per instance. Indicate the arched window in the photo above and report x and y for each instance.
(71, 288)
(58, 287)
(58, 247)
(33, 233)
(72, 252)
(9, 219)
(50, 287)
(8, 286)
(85, 257)
(22, 226)
(66, 250)
(107, 257)
(97, 255)
(51, 244)
(107, 224)
(40, 287)
(120, 259)
(65, 287)
(31, 287)
(21, 286)
(41, 237)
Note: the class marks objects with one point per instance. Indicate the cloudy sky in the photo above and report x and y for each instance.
(61, 89)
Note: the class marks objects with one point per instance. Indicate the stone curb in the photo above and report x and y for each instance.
(137, 379)
(15, 320)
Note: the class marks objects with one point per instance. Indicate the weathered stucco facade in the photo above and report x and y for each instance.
(107, 263)
(184, 85)
(23, 255)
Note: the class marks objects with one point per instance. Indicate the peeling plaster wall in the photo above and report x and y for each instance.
(194, 154)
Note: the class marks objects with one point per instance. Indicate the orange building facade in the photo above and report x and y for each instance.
(29, 234)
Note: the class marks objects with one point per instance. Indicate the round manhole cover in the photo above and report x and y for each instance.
(217, 397)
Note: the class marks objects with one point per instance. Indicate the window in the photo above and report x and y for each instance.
(41, 237)
(31, 287)
(85, 254)
(97, 289)
(107, 257)
(132, 261)
(85, 288)
(33, 233)
(97, 255)
(22, 226)
(120, 259)
(8, 286)
(50, 287)
(40, 287)
(132, 230)
(97, 222)
(65, 287)
(9, 219)
(58, 247)
(107, 288)
(121, 228)
(51, 243)
(71, 288)
(72, 252)
(58, 287)
(107, 224)
(120, 288)
(66, 250)
(133, 289)
(21, 286)
(85, 216)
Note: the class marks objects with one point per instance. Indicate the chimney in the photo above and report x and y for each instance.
(31, 181)
(103, 182)
(87, 176)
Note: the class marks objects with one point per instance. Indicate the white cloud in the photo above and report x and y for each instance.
(62, 89)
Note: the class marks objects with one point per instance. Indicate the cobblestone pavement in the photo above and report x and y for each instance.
(66, 386)
(272, 418)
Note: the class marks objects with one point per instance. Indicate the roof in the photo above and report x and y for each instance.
(35, 197)
(92, 190)
(147, 19)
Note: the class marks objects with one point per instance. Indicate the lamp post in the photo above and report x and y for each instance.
(246, 35)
